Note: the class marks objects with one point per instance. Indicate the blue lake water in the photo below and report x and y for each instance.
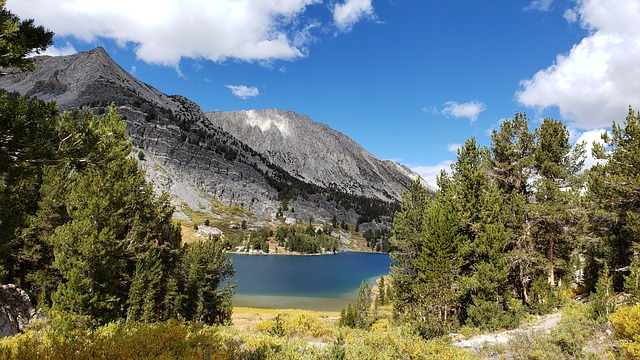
(324, 282)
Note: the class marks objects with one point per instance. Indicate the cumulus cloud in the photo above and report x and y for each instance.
(350, 12)
(67, 49)
(164, 31)
(430, 172)
(243, 92)
(539, 5)
(599, 78)
(469, 110)
(589, 137)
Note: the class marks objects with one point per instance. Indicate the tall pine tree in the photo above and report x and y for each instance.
(557, 209)
(614, 194)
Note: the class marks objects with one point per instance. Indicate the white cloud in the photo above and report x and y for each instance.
(539, 5)
(589, 137)
(430, 172)
(570, 15)
(67, 49)
(164, 31)
(243, 92)
(350, 12)
(454, 147)
(469, 110)
(599, 78)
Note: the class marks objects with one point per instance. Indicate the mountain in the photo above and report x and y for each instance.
(344, 165)
(266, 161)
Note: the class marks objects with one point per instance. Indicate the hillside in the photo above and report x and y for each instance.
(201, 158)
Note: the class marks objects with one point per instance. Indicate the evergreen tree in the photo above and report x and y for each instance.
(19, 38)
(26, 147)
(407, 240)
(601, 303)
(614, 194)
(632, 281)
(468, 181)
(437, 267)
(362, 306)
(557, 209)
(87, 235)
(510, 166)
(488, 280)
(357, 315)
(348, 316)
(382, 292)
(206, 275)
(108, 223)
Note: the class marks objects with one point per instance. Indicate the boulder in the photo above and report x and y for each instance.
(15, 310)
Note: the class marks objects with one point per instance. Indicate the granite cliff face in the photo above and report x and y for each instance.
(259, 160)
(343, 164)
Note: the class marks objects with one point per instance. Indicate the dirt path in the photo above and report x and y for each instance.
(544, 323)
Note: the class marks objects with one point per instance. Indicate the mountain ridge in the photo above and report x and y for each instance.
(198, 157)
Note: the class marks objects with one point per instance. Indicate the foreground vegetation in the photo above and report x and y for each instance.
(299, 334)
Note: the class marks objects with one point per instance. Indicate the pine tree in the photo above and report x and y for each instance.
(489, 278)
(511, 167)
(407, 241)
(25, 149)
(19, 38)
(206, 276)
(438, 265)
(557, 209)
(601, 303)
(632, 281)
(108, 223)
(614, 195)
(348, 316)
(363, 305)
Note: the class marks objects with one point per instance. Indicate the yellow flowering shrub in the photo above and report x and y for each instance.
(626, 321)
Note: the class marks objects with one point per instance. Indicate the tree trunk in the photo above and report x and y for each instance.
(552, 275)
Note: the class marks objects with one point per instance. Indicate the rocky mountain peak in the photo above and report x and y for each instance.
(255, 159)
(344, 164)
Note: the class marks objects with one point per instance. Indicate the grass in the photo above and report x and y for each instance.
(245, 318)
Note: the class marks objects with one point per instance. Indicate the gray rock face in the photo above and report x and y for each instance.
(343, 164)
(15, 310)
(245, 158)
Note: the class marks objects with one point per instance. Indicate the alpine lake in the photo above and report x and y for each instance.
(318, 282)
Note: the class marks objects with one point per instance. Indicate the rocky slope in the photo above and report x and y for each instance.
(344, 164)
(260, 160)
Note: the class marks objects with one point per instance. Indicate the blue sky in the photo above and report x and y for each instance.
(409, 80)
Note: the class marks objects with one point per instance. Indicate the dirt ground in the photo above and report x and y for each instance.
(544, 323)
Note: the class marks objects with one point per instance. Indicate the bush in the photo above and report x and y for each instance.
(302, 325)
(626, 321)
(168, 340)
